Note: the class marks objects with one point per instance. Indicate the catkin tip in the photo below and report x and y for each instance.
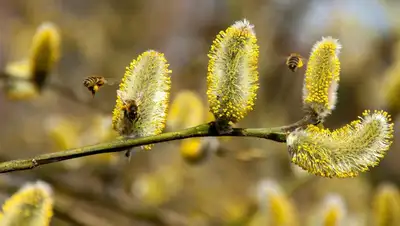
(344, 152)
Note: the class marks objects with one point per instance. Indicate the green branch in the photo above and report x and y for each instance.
(277, 134)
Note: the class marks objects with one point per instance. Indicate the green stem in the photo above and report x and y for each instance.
(205, 130)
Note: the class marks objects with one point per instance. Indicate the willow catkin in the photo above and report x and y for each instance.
(32, 205)
(147, 84)
(45, 52)
(232, 72)
(386, 206)
(344, 152)
(322, 78)
(333, 211)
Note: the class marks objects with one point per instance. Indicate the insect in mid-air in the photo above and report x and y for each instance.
(93, 83)
(294, 61)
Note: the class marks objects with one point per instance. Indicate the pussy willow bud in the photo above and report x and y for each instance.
(45, 52)
(232, 72)
(344, 152)
(386, 206)
(143, 95)
(32, 205)
(322, 77)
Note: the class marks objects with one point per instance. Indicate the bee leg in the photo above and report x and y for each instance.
(128, 154)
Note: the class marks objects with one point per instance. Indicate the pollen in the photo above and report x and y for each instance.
(344, 152)
(232, 72)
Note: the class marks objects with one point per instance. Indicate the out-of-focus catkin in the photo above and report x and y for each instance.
(143, 96)
(26, 78)
(45, 52)
(187, 110)
(386, 206)
(344, 152)
(232, 72)
(391, 86)
(275, 208)
(32, 205)
(333, 211)
(322, 78)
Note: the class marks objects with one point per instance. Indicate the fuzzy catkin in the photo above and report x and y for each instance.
(147, 82)
(232, 72)
(32, 205)
(45, 52)
(322, 78)
(344, 152)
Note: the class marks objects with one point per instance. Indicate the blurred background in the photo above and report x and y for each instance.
(198, 181)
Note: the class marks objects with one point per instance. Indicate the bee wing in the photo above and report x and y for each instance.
(111, 81)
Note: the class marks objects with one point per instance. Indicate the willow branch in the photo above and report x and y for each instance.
(277, 134)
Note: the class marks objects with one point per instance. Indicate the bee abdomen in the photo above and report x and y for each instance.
(293, 62)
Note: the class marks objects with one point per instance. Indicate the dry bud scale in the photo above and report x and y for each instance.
(32, 205)
(143, 96)
(322, 77)
(232, 72)
(343, 152)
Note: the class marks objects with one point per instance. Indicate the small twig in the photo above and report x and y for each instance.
(206, 130)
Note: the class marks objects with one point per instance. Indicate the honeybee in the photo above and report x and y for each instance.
(130, 107)
(93, 83)
(295, 61)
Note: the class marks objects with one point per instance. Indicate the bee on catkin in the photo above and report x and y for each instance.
(94, 83)
(294, 61)
(130, 107)
(143, 97)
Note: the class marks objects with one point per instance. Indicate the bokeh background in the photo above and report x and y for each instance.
(162, 187)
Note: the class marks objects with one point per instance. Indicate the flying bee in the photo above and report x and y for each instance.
(93, 83)
(294, 61)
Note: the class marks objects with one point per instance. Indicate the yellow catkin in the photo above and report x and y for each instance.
(322, 77)
(192, 149)
(147, 82)
(187, 110)
(391, 88)
(333, 211)
(232, 72)
(32, 205)
(156, 188)
(275, 208)
(344, 152)
(386, 206)
(45, 52)
(19, 86)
